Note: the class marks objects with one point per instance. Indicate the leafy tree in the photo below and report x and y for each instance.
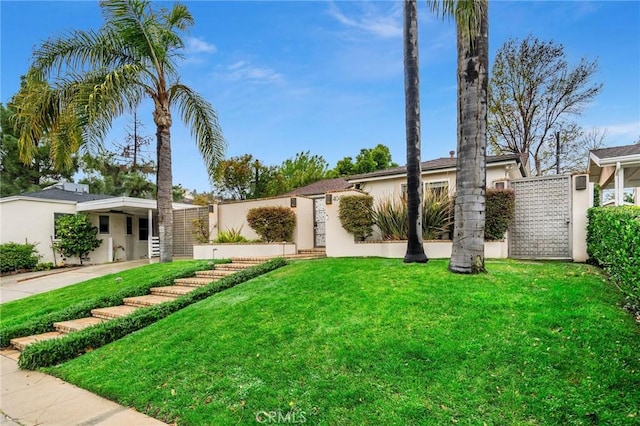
(106, 175)
(472, 28)
(76, 236)
(415, 249)
(98, 75)
(17, 177)
(301, 170)
(243, 177)
(533, 93)
(367, 161)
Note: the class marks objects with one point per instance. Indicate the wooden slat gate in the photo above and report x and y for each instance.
(542, 223)
(183, 239)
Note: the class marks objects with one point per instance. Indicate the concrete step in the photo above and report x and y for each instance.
(313, 251)
(148, 300)
(210, 275)
(172, 290)
(197, 281)
(22, 342)
(249, 260)
(113, 312)
(76, 324)
(233, 266)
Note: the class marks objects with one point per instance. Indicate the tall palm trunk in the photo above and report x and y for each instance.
(415, 248)
(164, 182)
(468, 236)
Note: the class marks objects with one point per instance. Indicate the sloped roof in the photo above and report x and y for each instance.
(432, 165)
(321, 187)
(617, 151)
(62, 195)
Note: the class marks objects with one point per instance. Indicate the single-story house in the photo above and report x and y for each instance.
(616, 168)
(126, 225)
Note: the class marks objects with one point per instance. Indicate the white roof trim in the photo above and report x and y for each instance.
(612, 161)
(41, 200)
(121, 202)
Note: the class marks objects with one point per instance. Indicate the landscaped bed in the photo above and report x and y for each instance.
(376, 341)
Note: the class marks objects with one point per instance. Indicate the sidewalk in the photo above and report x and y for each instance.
(14, 287)
(34, 398)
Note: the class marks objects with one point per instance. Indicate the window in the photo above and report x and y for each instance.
(103, 224)
(143, 228)
(129, 225)
(55, 219)
(439, 187)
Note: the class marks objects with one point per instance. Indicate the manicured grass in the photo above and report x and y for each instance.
(375, 341)
(33, 307)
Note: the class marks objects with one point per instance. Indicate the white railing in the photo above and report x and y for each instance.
(155, 247)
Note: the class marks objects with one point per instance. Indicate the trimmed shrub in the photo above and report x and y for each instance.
(273, 224)
(14, 256)
(76, 236)
(56, 351)
(500, 205)
(613, 242)
(356, 215)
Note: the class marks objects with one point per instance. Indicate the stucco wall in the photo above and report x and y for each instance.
(581, 201)
(342, 244)
(32, 220)
(233, 215)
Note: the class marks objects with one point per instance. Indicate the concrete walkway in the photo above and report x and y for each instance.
(34, 398)
(14, 287)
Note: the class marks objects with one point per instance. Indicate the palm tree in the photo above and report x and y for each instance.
(472, 22)
(415, 249)
(99, 75)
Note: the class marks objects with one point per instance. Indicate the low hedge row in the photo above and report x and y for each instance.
(52, 352)
(79, 310)
(613, 242)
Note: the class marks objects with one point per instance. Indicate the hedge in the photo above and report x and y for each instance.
(500, 205)
(613, 242)
(56, 351)
(356, 215)
(14, 256)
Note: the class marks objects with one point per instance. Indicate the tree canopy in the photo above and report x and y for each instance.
(533, 94)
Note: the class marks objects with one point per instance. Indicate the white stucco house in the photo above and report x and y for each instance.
(126, 225)
(617, 168)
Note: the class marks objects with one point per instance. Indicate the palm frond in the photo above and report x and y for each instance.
(467, 13)
(199, 115)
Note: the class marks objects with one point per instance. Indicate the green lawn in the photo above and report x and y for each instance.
(33, 307)
(375, 341)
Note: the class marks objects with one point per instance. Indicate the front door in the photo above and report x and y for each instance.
(319, 219)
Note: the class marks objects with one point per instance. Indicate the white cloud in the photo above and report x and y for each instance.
(624, 131)
(247, 72)
(198, 45)
(382, 23)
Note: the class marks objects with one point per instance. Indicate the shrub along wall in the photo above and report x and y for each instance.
(500, 207)
(14, 256)
(356, 215)
(55, 351)
(272, 223)
(613, 242)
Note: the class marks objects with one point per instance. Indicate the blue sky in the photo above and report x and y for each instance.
(326, 76)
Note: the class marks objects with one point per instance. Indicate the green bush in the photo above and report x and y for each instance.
(391, 216)
(613, 242)
(232, 235)
(500, 207)
(56, 351)
(76, 236)
(14, 256)
(273, 224)
(356, 215)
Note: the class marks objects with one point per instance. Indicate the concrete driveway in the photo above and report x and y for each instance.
(14, 287)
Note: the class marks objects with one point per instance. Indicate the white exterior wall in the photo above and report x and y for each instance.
(32, 220)
(233, 215)
(581, 201)
(383, 187)
(342, 244)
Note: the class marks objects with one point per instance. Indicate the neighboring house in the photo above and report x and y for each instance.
(616, 168)
(125, 224)
(436, 174)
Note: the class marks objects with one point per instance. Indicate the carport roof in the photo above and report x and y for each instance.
(603, 162)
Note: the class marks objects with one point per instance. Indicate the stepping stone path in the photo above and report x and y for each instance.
(158, 295)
